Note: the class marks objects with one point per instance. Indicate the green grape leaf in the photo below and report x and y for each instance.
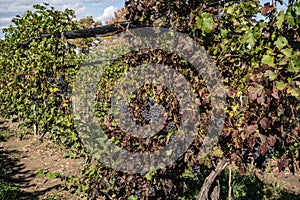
(269, 60)
(272, 76)
(293, 92)
(280, 85)
(289, 16)
(133, 197)
(280, 19)
(224, 33)
(288, 52)
(294, 66)
(205, 22)
(297, 8)
(281, 42)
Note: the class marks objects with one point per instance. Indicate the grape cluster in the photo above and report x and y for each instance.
(155, 112)
(196, 170)
(51, 81)
(260, 160)
(149, 102)
(146, 116)
(139, 195)
(62, 85)
(62, 95)
(125, 111)
(124, 108)
(148, 106)
(171, 126)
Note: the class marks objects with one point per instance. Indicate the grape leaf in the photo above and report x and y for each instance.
(271, 140)
(269, 60)
(281, 42)
(263, 149)
(205, 22)
(280, 85)
(250, 129)
(255, 92)
(280, 19)
(282, 163)
(288, 52)
(265, 123)
(272, 76)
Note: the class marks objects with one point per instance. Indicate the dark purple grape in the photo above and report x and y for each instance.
(50, 80)
(149, 102)
(255, 155)
(155, 112)
(171, 126)
(61, 84)
(69, 90)
(34, 97)
(65, 94)
(37, 82)
(146, 115)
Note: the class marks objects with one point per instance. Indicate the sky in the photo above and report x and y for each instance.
(101, 10)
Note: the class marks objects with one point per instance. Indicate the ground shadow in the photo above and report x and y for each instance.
(14, 174)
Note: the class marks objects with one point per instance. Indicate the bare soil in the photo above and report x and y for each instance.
(27, 161)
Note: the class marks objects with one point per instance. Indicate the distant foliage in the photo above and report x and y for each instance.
(84, 45)
(119, 16)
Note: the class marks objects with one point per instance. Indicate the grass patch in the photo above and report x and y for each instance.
(8, 191)
(5, 134)
(244, 187)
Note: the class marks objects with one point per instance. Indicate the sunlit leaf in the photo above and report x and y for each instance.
(280, 85)
(281, 42)
(269, 60)
(280, 19)
(272, 76)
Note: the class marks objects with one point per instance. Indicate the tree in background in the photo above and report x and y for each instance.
(85, 44)
(119, 16)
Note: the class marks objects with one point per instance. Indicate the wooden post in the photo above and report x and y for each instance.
(35, 126)
(210, 179)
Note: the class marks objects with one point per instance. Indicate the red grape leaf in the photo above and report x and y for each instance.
(252, 141)
(271, 140)
(250, 129)
(255, 92)
(261, 99)
(233, 157)
(235, 133)
(282, 163)
(263, 149)
(265, 123)
(267, 9)
(275, 92)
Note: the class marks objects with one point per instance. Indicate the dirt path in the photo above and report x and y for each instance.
(26, 163)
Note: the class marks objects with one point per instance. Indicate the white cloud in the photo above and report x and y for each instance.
(108, 13)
